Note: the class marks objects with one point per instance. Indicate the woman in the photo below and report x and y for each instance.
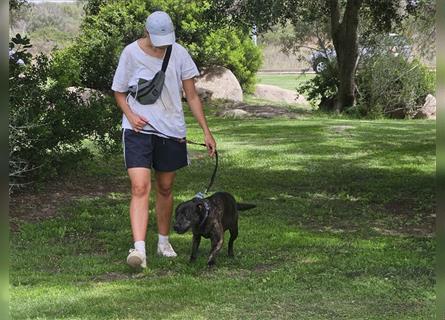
(146, 127)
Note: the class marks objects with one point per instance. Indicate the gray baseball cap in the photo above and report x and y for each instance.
(160, 28)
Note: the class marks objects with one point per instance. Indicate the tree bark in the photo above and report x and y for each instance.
(345, 38)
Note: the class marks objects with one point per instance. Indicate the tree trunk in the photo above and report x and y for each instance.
(345, 39)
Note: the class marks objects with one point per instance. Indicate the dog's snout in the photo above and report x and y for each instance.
(180, 228)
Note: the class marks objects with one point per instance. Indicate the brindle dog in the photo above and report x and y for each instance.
(209, 218)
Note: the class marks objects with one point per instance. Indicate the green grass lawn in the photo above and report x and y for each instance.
(343, 229)
(285, 81)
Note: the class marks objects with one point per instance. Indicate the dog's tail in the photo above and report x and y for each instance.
(245, 206)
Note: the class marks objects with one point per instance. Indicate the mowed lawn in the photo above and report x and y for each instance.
(343, 229)
(285, 81)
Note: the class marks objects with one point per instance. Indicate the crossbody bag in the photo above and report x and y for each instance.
(148, 91)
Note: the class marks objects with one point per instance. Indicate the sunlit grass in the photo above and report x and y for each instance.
(285, 81)
(342, 230)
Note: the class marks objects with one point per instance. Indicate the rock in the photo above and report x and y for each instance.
(231, 109)
(222, 84)
(204, 94)
(428, 110)
(340, 129)
(274, 93)
(234, 113)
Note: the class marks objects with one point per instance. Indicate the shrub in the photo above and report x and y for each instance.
(229, 48)
(386, 86)
(48, 121)
(321, 90)
(212, 43)
(393, 86)
(102, 38)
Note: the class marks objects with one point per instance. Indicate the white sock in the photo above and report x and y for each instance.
(140, 246)
(162, 239)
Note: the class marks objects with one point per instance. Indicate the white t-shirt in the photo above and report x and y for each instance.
(166, 113)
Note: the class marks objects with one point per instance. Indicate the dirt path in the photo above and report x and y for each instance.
(245, 110)
(37, 205)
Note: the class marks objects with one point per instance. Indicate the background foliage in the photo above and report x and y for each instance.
(51, 116)
(53, 99)
(49, 25)
(387, 86)
(109, 26)
(314, 24)
(393, 86)
(48, 121)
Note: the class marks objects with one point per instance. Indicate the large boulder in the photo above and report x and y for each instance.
(277, 94)
(428, 110)
(220, 83)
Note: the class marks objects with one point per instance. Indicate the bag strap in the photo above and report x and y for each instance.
(166, 58)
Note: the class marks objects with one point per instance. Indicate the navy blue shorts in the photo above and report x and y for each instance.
(143, 150)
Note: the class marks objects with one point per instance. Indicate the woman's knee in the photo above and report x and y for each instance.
(140, 189)
(165, 189)
(164, 183)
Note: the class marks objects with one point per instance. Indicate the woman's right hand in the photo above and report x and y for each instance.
(137, 122)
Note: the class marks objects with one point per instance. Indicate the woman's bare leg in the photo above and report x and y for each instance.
(140, 191)
(164, 200)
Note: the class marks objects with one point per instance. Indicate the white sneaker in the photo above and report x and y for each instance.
(166, 250)
(136, 259)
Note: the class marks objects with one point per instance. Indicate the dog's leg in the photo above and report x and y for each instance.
(233, 235)
(195, 246)
(217, 242)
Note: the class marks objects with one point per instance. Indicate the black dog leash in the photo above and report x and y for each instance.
(185, 140)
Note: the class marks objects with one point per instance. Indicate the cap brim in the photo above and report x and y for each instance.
(165, 40)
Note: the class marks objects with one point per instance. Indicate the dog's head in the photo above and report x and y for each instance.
(187, 214)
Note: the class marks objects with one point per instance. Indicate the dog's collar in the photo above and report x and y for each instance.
(199, 195)
(206, 213)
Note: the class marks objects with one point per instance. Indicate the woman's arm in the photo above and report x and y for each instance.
(137, 122)
(196, 107)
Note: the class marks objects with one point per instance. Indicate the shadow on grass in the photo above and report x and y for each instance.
(326, 232)
(368, 177)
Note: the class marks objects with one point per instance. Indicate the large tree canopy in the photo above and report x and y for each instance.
(343, 19)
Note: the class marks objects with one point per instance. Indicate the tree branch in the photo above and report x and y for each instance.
(335, 15)
(351, 11)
